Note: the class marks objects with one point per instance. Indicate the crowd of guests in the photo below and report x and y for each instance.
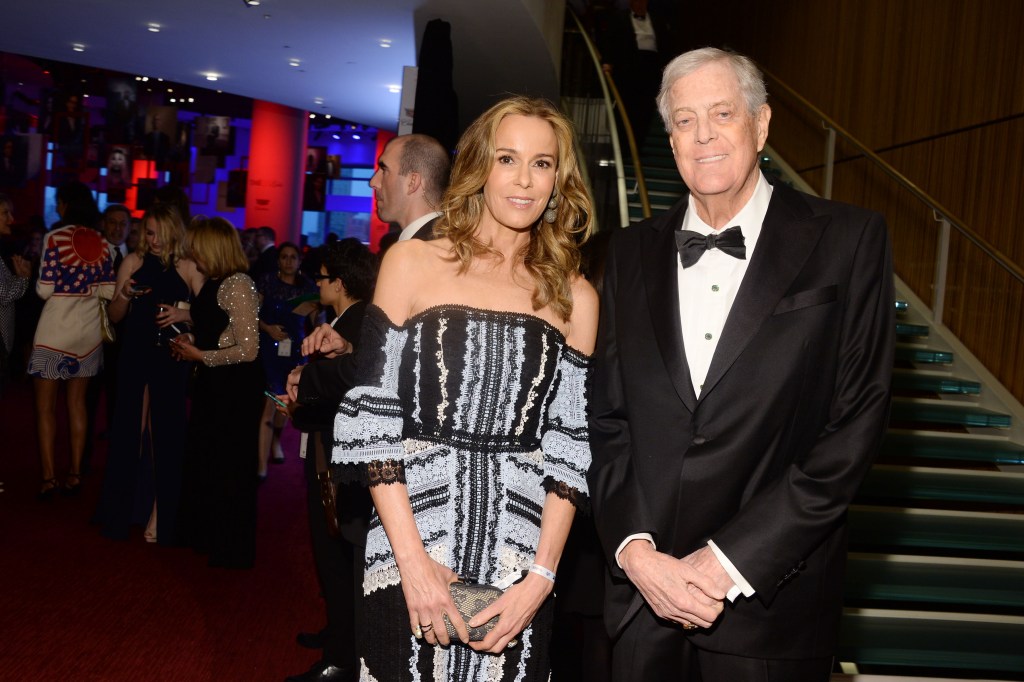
(461, 408)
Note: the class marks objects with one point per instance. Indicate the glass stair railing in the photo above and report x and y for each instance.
(890, 485)
(942, 532)
(909, 381)
(910, 353)
(913, 411)
(960, 450)
(934, 583)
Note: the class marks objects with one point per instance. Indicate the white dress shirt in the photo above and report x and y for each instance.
(707, 291)
(415, 225)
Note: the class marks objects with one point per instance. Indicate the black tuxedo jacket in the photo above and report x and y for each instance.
(794, 406)
(325, 382)
(426, 232)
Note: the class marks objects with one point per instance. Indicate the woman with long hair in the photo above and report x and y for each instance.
(77, 269)
(154, 287)
(218, 514)
(468, 417)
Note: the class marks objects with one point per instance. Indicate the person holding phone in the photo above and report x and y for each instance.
(218, 515)
(153, 287)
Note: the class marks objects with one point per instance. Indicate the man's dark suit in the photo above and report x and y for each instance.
(790, 416)
(426, 232)
(338, 560)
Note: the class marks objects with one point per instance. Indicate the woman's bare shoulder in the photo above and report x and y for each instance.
(583, 322)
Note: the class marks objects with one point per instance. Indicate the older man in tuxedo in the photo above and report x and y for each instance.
(740, 394)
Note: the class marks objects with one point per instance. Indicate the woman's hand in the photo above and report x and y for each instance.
(276, 332)
(515, 610)
(325, 341)
(183, 348)
(425, 585)
(169, 314)
(22, 266)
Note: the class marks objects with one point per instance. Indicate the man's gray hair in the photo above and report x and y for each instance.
(750, 78)
(424, 155)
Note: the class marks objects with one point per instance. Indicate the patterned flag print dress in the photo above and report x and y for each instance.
(480, 413)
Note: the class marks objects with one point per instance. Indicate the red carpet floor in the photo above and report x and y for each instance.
(77, 606)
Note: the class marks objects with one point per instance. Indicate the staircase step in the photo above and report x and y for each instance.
(940, 641)
(921, 355)
(904, 329)
(964, 448)
(942, 532)
(913, 410)
(903, 380)
(904, 485)
(939, 581)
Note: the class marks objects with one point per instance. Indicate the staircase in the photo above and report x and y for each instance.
(935, 580)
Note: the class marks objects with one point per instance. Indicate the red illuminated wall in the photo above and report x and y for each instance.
(378, 228)
(277, 150)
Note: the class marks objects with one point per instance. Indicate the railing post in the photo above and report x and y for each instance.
(941, 265)
(830, 159)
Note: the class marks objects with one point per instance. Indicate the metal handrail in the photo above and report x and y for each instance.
(607, 83)
(941, 213)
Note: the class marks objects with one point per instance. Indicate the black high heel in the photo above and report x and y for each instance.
(48, 489)
(69, 489)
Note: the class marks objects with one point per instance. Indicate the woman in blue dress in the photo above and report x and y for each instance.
(281, 334)
(154, 287)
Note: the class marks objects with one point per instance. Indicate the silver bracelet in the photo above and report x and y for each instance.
(542, 572)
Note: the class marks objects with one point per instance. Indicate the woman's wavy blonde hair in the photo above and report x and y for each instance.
(171, 231)
(215, 245)
(552, 256)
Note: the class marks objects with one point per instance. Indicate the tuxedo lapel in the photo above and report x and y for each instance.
(659, 262)
(788, 236)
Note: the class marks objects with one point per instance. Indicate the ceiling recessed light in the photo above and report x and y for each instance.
(293, 62)
(85, 94)
(251, 3)
(394, 88)
(173, 101)
(327, 115)
(170, 89)
(191, 99)
(78, 47)
(212, 76)
(356, 137)
(153, 28)
(385, 42)
(336, 136)
(312, 115)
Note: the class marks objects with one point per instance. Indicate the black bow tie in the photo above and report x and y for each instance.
(692, 245)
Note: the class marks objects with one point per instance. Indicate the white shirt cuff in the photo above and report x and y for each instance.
(740, 586)
(629, 539)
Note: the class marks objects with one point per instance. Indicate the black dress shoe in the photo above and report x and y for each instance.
(324, 672)
(311, 640)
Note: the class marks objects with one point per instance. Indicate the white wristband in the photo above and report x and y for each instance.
(542, 572)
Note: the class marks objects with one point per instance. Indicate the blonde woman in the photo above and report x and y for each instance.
(219, 501)
(154, 286)
(468, 417)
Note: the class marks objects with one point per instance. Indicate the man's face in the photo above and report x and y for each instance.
(387, 184)
(115, 227)
(715, 139)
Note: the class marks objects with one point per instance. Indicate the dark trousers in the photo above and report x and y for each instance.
(652, 651)
(339, 567)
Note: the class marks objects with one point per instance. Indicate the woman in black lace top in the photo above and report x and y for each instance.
(468, 417)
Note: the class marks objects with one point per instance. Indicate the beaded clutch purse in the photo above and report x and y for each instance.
(470, 599)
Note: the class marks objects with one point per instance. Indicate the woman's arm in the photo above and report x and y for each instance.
(119, 304)
(424, 580)
(12, 285)
(237, 296)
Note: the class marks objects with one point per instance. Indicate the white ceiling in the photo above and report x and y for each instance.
(499, 46)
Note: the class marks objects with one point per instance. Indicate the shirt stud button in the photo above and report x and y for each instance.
(714, 287)
(707, 337)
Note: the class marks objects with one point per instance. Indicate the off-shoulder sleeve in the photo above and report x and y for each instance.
(368, 425)
(564, 439)
(240, 341)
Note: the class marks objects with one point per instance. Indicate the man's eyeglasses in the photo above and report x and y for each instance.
(319, 278)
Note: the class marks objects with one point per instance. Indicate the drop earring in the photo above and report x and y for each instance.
(552, 211)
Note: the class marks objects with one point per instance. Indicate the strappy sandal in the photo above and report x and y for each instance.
(48, 489)
(69, 488)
